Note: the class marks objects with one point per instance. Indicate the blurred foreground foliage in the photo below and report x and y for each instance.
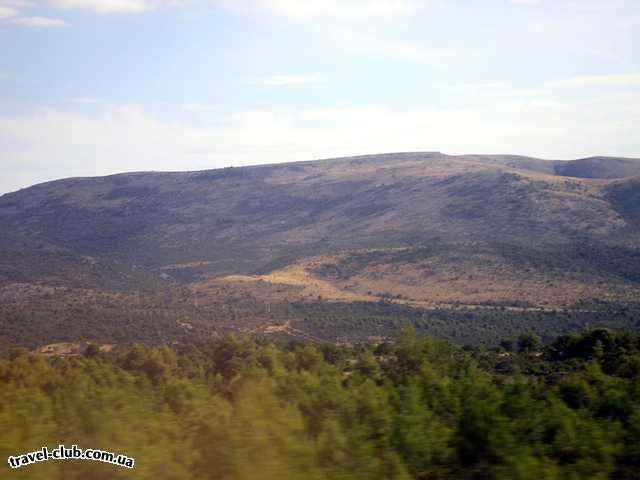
(415, 408)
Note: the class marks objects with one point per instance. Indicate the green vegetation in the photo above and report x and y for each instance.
(599, 261)
(158, 317)
(415, 408)
(354, 322)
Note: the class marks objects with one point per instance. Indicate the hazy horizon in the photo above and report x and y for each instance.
(96, 87)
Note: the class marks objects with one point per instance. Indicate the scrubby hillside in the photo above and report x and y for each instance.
(422, 228)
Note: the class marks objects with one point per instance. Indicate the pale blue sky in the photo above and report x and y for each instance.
(91, 87)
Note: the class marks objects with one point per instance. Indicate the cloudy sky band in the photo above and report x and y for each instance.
(94, 87)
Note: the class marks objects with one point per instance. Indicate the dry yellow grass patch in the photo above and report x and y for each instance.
(434, 283)
(298, 276)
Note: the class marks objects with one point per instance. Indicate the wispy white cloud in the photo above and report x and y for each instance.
(105, 7)
(40, 22)
(340, 9)
(54, 143)
(13, 11)
(610, 80)
(7, 11)
(478, 86)
(11, 8)
(284, 80)
(197, 107)
(18, 8)
(86, 100)
(384, 46)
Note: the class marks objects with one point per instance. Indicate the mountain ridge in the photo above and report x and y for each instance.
(473, 229)
(324, 200)
(551, 163)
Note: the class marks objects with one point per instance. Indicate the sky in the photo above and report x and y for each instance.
(95, 87)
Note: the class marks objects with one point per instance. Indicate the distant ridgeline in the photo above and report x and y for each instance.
(466, 248)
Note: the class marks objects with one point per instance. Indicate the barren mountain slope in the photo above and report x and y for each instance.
(428, 227)
(247, 219)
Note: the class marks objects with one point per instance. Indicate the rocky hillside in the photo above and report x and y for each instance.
(244, 220)
(421, 227)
